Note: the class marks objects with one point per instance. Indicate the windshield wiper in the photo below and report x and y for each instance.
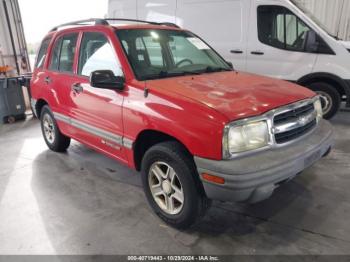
(165, 74)
(211, 69)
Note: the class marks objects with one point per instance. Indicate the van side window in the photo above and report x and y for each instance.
(62, 57)
(42, 53)
(280, 28)
(96, 53)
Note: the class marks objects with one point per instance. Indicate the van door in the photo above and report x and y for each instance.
(277, 44)
(223, 24)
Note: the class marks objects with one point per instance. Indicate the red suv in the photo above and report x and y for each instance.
(160, 100)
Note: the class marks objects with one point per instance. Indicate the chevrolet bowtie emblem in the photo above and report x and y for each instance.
(303, 120)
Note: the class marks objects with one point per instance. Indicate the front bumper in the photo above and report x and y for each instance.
(255, 177)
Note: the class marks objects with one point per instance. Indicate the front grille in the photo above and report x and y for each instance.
(293, 114)
(294, 123)
(282, 138)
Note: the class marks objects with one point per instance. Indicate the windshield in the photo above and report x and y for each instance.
(155, 54)
(301, 5)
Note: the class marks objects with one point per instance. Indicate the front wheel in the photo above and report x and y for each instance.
(330, 98)
(171, 187)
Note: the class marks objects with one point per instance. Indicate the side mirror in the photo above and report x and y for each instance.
(229, 64)
(311, 43)
(106, 79)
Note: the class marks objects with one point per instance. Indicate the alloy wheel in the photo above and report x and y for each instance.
(166, 188)
(49, 128)
(326, 101)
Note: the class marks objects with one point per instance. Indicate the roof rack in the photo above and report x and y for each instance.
(95, 21)
(99, 21)
(142, 21)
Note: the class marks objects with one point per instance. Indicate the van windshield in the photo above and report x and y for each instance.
(301, 5)
(155, 54)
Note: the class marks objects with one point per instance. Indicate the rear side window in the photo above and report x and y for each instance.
(42, 53)
(55, 55)
(96, 53)
(62, 58)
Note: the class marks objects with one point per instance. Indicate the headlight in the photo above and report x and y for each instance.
(318, 108)
(245, 137)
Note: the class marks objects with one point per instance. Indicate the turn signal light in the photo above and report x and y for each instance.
(213, 179)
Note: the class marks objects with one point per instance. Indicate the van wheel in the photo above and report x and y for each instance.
(330, 98)
(171, 187)
(54, 139)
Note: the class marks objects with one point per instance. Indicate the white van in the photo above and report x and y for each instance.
(276, 38)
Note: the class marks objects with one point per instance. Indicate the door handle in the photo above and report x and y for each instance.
(257, 53)
(77, 88)
(47, 80)
(237, 51)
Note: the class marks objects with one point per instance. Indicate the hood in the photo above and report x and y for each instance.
(235, 95)
(346, 44)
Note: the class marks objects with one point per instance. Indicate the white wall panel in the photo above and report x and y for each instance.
(122, 9)
(335, 14)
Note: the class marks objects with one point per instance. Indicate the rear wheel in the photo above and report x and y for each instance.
(330, 98)
(54, 139)
(171, 187)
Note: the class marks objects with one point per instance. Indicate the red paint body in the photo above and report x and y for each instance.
(192, 109)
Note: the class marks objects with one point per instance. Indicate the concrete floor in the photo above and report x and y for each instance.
(84, 203)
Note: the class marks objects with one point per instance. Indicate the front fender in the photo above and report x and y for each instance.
(198, 127)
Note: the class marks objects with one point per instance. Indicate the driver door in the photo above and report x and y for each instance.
(96, 112)
(277, 44)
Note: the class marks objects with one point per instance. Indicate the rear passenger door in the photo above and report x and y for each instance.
(98, 111)
(60, 78)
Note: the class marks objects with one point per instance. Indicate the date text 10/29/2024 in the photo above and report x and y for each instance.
(173, 258)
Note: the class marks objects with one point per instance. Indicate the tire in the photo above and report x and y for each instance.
(194, 204)
(330, 98)
(53, 137)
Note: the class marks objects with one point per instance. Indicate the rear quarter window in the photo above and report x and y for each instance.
(42, 53)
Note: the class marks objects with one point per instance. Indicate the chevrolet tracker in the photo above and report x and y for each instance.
(160, 100)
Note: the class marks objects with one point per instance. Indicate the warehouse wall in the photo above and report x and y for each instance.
(335, 14)
(11, 53)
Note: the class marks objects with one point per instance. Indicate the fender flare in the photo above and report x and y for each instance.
(327, 76)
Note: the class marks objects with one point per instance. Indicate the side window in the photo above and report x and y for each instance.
(96, 53)
(62, 57)
(280, 28)
(55, 54)
(42, 53)
(67, 53)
